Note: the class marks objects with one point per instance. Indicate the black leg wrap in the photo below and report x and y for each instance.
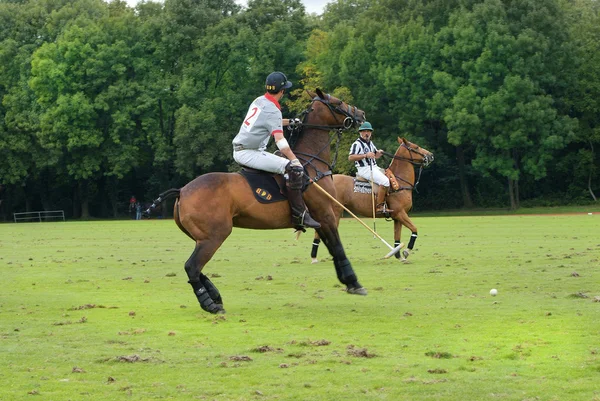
(397, 254)
(212, 289)
(413, 238)
(345, 273)
(204, 298)
(315, 248)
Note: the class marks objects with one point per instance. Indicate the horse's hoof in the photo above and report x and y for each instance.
(215, 309)
(314, 260)
(357, 291)
(405, 253)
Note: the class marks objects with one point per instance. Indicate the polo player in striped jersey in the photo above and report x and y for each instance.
(364, 153)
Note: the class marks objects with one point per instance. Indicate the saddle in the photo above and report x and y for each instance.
(267, 187)
(361, 184)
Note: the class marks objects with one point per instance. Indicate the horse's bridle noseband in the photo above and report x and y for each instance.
(427, 159)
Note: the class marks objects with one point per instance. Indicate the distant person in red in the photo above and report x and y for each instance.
(132, 202)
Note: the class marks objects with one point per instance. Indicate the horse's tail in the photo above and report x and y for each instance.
(165, 195)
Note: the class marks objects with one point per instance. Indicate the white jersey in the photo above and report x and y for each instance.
(262, 121)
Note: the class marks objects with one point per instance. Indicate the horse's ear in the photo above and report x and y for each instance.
(311, 94)
(401, 140)
(320, 94)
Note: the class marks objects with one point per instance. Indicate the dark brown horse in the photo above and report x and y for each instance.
(210, 206)
(407, 156)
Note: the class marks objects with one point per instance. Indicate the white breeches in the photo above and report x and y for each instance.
(379, 177)
(261, 160)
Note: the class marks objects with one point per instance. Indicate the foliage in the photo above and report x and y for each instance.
(99, 100)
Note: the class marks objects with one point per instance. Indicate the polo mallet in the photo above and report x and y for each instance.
(393, 250)
(372, 194)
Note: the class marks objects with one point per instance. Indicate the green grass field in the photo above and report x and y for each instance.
(102, 311)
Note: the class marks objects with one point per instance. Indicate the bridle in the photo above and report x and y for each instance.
(425, 160)
(350, 112)
(352, 118)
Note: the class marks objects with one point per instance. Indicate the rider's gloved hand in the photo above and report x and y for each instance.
(295, 163)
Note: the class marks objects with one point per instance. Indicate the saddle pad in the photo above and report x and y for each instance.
(362, 187)
(264, 186)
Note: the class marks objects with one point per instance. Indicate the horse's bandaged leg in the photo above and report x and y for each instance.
(212, 289)
(345, 273)
(397, 254)
(204, 298)
(315, 248)
(413, 238)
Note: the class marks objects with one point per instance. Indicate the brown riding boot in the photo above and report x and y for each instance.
(301, 218)
(381, 205)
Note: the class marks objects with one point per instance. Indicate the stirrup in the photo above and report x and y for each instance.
(305, 221)
(383, 209)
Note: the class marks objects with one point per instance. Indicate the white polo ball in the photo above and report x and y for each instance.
(493, 292)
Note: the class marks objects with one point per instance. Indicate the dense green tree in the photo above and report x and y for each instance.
(503, 61)
(582, 162)
(99, 101)
(86, 84)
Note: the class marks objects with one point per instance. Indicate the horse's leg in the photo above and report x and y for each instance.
(338, 211)
(406, 221)
(315, 248)
(208, 295)
(397, 234)
(331, 238)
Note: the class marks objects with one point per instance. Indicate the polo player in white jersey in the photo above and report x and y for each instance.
(262, 121)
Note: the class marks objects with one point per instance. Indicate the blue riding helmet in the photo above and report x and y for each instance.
(277, 81)
(366, 126)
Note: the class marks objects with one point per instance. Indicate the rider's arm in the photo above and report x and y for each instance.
(286, 150)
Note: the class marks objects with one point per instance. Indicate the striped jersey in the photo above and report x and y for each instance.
(262, 121)
(362, 147)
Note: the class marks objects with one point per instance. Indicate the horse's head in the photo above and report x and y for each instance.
(413, 153)
(330, 112)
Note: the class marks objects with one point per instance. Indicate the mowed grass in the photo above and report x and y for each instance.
(102, 311)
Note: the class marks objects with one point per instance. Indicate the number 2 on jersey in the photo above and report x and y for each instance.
(251, 117)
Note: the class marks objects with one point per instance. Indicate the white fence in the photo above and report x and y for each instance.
(40, 216)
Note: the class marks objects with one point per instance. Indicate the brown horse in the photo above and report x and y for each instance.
(212, 204)
(398, 200)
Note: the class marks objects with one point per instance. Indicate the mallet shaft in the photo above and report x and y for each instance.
(394, 250)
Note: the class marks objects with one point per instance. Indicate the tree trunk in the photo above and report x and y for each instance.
(464, 187)
(75, 203)
(591, 173)
(511, 194)
(513, 185)
(83, 200)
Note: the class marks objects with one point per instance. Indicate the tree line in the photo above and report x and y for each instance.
(101, 101)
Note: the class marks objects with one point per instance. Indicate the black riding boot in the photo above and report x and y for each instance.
(300, 216)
